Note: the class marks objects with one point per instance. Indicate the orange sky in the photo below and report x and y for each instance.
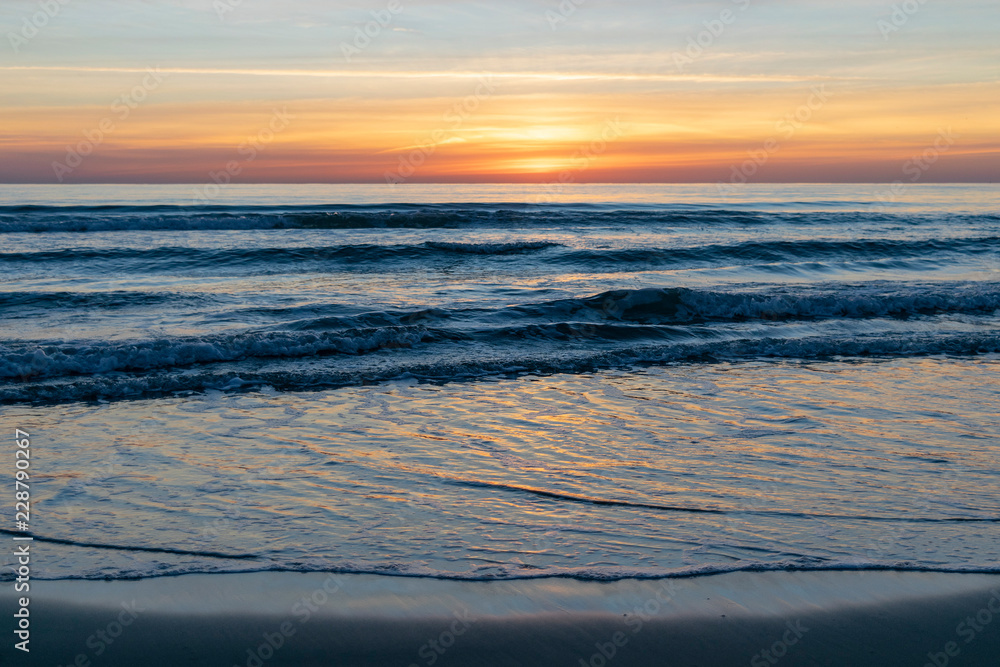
(530, 103)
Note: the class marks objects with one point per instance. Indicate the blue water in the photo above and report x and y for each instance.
(501, 381)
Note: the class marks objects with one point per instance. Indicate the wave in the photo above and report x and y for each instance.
(573, 498)
(178, 257)
(619, 317)
(457, 367)
(145, 259)
(520, 571)
(136, 548)
(659, 306)
(110, 218)
(681, 305)
(491, 248)
(37, 219)
(118, 299)
(20, 361)
(778, 251)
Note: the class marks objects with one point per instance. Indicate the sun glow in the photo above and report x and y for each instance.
(535, 165)
(472, 112)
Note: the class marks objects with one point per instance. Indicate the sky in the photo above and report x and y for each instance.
(416, 91)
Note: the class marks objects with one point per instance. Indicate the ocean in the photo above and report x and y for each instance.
(484, 382)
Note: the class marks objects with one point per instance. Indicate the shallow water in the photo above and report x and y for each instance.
(633, 380)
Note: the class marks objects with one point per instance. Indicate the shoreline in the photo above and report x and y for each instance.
(739, 618)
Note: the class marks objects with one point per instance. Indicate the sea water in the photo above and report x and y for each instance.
(504, 381)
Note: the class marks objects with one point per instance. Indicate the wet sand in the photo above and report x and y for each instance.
(745, 618)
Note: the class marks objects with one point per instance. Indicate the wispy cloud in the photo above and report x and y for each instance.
(441, 74)
(354, 118)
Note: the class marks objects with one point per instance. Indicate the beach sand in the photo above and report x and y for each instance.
(744, 618)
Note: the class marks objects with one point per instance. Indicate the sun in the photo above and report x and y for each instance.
(536, 165)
